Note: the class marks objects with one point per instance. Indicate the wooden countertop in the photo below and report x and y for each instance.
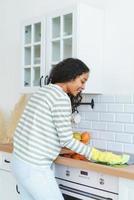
(125, 171)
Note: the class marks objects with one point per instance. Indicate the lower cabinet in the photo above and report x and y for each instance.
(8, 187)
(126, 189)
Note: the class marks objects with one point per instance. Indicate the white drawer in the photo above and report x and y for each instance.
(5, 161)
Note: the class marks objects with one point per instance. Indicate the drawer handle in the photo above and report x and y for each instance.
(6, 161)
(17, 189)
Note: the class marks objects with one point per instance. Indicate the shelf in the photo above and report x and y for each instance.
(36, 75)
(27, 56)
(56, 25)
(67, 48)
(27, 34)
(36, 54)
(55, 51)
(37, 32)
(67, 24)
(27, 77)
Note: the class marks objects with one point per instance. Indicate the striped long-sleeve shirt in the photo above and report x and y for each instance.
(45, 127)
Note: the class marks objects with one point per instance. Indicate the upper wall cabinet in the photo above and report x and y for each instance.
(33, 54)
(77, 32)
(73, 32)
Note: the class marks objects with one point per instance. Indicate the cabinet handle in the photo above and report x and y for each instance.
(6, 161)
(17, 189)
(45, 80)
(41, 81)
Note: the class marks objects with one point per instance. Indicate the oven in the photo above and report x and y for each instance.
(77, 184)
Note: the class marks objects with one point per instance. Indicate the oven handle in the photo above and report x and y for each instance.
(86, 194)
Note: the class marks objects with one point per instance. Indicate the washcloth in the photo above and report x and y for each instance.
(108, 157)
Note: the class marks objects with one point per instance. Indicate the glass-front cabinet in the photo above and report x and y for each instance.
(76, 31)
(32, 66)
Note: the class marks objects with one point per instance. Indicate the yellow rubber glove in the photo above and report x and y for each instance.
(108, 157)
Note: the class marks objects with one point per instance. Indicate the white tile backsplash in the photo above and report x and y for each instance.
(111, 122)
(129, 128)
(123, 117)
(129, 108)
(115, 108)
(115, 127)
(92, 116)
(115, 146)
(109, 117)
(107, 99)
(124, 99)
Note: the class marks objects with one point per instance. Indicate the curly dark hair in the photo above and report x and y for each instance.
(68, 70)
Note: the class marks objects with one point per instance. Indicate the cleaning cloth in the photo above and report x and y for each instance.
(108, 157)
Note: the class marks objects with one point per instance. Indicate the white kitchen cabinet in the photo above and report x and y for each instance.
(126, 189)
(33, 53)
(77, 32)
(8, 188)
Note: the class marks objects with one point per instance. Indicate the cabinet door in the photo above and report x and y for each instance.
(33, 56)
(8, 187)
(90, 27)
(126, 189)
(59, 36)
(78, 32)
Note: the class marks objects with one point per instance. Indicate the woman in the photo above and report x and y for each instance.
(45, 127)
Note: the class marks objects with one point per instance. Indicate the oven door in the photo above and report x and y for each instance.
(76, 191)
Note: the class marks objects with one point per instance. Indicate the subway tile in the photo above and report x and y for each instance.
(129, 148)
(85, 108)
(118, 127)
(115, 146)
(94, 134)
(98, 125)
(107, 99)
(115, 108)
(124, 138)
(129, 128)
(123, 117)
(100, 144)
(85, 124)
(100, 107)
(107, 117)
(105, 135)
(129, 108)
(82, 115)
(92, 116)
(88, 98)
(123, 99)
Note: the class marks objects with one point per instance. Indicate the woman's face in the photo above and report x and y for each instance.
(77, 85)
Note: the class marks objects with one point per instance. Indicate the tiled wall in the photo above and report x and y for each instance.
(111, 122)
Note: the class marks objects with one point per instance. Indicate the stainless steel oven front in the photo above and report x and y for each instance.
(77, 184)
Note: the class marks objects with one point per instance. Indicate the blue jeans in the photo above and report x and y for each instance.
(35, 183)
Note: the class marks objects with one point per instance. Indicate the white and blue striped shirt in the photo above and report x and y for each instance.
(45, 127)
